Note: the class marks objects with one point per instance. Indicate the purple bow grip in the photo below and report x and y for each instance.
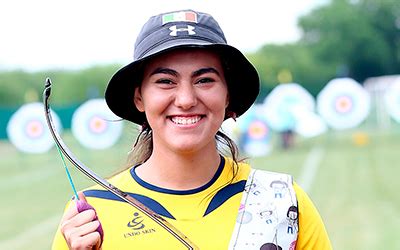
(82, 205)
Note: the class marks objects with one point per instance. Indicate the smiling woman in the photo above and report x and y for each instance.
(184, 81)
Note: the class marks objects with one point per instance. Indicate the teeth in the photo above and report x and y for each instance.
(185, 120)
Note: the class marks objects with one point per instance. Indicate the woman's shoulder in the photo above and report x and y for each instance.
(244, 169)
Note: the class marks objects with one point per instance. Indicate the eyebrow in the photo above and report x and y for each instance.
(204, 71)
(164, 71)
(169, 71)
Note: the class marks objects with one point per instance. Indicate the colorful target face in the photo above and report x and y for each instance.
(34, 129)
(257, 130)
(28, 131)
(392, 101)
(95, 126)
(343, 103)
(255, 139)
(283, 101)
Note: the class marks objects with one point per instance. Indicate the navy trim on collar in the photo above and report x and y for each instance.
(179, 192)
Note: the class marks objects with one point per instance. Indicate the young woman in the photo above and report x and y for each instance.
(183, 83)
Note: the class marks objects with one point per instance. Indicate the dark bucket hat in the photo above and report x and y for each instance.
(174, 30)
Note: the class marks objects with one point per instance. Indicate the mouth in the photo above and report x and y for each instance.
(186, 120)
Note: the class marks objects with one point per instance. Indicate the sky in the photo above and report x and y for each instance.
(50, 34)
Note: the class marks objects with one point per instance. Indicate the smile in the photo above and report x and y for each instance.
(185, 120)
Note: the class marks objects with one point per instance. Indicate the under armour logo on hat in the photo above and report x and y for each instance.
(174, 30)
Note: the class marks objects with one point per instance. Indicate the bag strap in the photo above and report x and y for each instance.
(268, 213)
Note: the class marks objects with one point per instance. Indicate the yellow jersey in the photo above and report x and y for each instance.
(206, 215)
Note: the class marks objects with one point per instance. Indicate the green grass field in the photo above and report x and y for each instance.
(355, 187)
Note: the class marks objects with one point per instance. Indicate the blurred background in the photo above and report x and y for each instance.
(328, 112)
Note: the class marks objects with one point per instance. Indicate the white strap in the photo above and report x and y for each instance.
(268, 215)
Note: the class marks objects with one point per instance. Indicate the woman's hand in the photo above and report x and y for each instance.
(80, 226)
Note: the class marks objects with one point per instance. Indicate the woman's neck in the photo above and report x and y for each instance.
(179, 171)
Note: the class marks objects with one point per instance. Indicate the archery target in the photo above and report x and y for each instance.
(392, 100)
(255, 139)
(281, 104)
(343, 103)
(95, 126)
(28, 131)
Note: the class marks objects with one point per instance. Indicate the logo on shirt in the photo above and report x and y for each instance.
(137, 222)
(138, 226)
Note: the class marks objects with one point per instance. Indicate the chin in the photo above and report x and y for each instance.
(187, 148)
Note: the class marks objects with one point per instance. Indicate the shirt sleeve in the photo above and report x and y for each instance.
(312, 232)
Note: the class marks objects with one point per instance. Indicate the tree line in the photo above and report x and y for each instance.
(343, 38)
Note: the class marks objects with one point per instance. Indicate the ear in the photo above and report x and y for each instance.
(138, 100)
(227, 101)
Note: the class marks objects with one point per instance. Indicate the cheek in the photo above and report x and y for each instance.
(154, 104)
(219, 104)
(223, 99)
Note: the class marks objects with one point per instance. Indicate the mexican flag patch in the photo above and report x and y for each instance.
(182, 16)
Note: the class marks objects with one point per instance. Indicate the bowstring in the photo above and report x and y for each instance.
(68, 174)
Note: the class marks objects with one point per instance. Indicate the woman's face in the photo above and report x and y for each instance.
(184, 96)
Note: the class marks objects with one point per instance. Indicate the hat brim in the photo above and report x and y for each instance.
(241, 77)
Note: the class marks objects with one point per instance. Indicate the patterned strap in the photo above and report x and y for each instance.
(268, 213)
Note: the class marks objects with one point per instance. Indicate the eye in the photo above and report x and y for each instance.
(164, 81)
(205, 80)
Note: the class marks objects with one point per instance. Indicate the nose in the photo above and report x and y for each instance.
(185, 96)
